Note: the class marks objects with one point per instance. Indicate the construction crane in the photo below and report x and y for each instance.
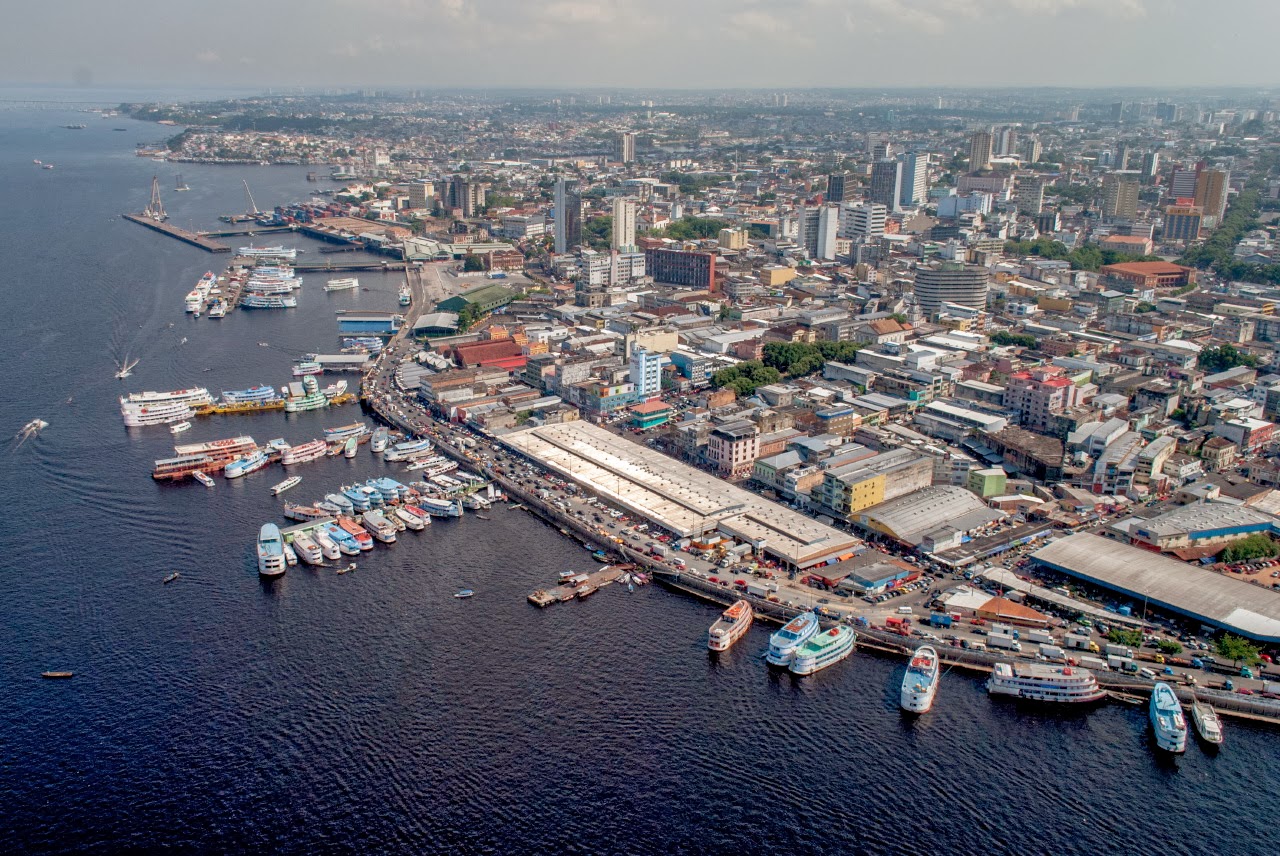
(253, 208)
(155, 208)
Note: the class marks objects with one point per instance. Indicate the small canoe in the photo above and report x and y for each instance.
(56, 674)
(173, 576)
(465, 593)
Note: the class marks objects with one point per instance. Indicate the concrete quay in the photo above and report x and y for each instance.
(176, 232)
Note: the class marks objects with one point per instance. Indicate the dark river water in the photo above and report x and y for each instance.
(375, 713)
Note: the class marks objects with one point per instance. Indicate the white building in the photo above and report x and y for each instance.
(646, 372)
(817, 229)
(863, 222)
(624, 225)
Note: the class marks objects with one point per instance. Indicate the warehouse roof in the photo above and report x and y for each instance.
(1207, 596)
(917, 514)
(1202, 517)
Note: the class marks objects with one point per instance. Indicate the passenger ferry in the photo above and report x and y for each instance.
(345, 541)
(439, 507)
(195, 397)
(920, 684)
(401, 451)
(1166, 719)
(731, 626)
(1207, 723)
(179, 427)
(378, 524)
(356, 531)
(271, 560)
(305, 513)
(418, 512)
(288, 484)
(342, 432)
(359, 498)
(248, 464)
(349, 450)
(411, 519)
(311, 399)
(326, 544)
(307, 549)
(379, 442)
(825, 648)
(251, 300)
(166, 413)
(307, 367)
(312, 450)
(796, 632)
(1043, 682)
(340, 501)
(234, 446)
(262, 392)
(277, 252)
(344, 284)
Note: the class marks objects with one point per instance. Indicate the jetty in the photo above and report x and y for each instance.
(181, 234)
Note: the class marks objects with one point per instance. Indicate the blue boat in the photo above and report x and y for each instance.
(1167, 721)
(358, 498)
(345, 540)
(253, 393)
(400, 451)
(243, 466)
(796, 632)
(390, 489)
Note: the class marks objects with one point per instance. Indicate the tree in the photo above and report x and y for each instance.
(1120, 636)
(1224, 357)
(472, 263)
(694, 228)
(1236, 650)
(1256, 546)
(597, 231)
(1170, 647)
(745, 377)
(1004, 338)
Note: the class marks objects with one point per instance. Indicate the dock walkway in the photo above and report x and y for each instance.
(179, 233)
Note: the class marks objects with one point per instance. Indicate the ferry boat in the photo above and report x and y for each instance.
(274, 286)
(378, 524)
(271, 560)
(362, 344)
(311, 399)
(344, 284)
(825, 648)
(796, 632)
(252, 462)
(345, 541)
(195, 397)
(311, 450)
(305, 513)
(406, 296)
(233, 446)
(277, 252)
(218, 309)
(307, 367)
(359, 499)
(262, 392)
(342, 432)
(390, 490)
(327, 545)
(186, 465)
(193, 302)
(288, 484)
(327, 507)
(267, 301)
(1207, 723)
(1043, 682)
(355, 530)
(142, 415)
(412, 520)
(731, 626)
(920, 684)
(179, 427)
(439, 507)
(401, 451)
(340, 501)
(307, 549)
(379, 442)
(202, 478)
(1166, 719)
(349, 450)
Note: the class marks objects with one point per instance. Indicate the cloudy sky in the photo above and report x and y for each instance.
(639, 43)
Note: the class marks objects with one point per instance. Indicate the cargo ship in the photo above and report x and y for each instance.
(796, 632)
(731, 626)
(271, 560)
(920, 684)
(1167, 721)
(303, 453)
(1044, 683)
(823, 649)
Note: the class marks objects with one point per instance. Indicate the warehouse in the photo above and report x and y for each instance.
(935, 519)
(684, 500)
(1205, 596)
(1197, 525)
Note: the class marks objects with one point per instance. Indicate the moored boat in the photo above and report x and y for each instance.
(379, 442)
(179, 427)
(363, 539)
(307, 549)
(731, 626)
(1207, 723)
(825, 648)
(1167, 721)
(342, 432)
(288, 484)
(379, 526)
(304, 452)
(796, 632)
(342, 284)
(305, 513)
(327, 545)
(1041, 682)
(252, 462)
(271, 560)
(411, 520)
(401, 451)
(344, 540)
(920, 684)
(203, 479)
(352, 445)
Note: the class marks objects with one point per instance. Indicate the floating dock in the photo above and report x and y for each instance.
(175, 232)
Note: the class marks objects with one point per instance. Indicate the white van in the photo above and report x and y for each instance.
(904, 610)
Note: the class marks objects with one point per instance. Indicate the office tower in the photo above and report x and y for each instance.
(915, 179)
(466, 195)
(950, 282)
(1048, 221)
(568, 202)
(882, 150)
(837, 183)
(625, 147)
(1122, 159)
(863, 222)
(818, 227)
(1031, 150)
(624, 225)
(1182, 184)
(646, 372)
(979, 151)
(1117, 111)
(1030, 194)
(1211, 194)
(1182, 222)
(1168, 112)
(418, 195)
(681, 267)
(1150, 166)
(886, 184)
(1119, 198)
(1007, 142)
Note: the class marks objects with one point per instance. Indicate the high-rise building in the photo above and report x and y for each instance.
(626, 147)
(1031, 150)
(1125, 155)
(1183, 222)
(1211, 194)
(418, 194)
(1007, 142)
(915, 179)
(950, 282)
(1168, 112)
(568, 203)
(1029, 193)
(1117, 111)
(646, 372)
(886, 184)
(624, 224)
(837, 183)
(679, 267)
(863, 222)
(1182, 184)
(817, 229)
(465, 194)
(980, 151)
(1150, 166)
(1119, 198)
(1040, 394)
(881, 150)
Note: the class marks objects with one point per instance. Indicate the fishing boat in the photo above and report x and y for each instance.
(920, 684)
(823, 649)
(585, 591)
(464, 593)
(57, 675)
(288, 484)
(271, 560)
(173, 576)
(203, 479)
(348, 569)
(796, 632)
(731, 626)
(349, 450)
(1041, 682)
(1207, 723)
(179, 427)
(344, 284)
(1167, 721)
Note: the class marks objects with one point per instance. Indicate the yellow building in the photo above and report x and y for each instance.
(773, 276)
(733, 239)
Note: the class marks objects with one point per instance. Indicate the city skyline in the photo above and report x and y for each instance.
(483, 43)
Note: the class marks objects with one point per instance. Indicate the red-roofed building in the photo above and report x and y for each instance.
(1151, 274)
(486, 353)
(1004, 610)
(1039, 395)
(651, 413)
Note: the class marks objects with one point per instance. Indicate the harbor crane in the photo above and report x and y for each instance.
(253, 208)
(155, 208)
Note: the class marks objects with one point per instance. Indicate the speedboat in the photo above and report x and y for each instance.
(823, 649)
(1166, 719)
(920, 684)
(464, 593)
(1207, 723)
(171, 577)
(796, 632)
(179, 427)
(348, 569)
(731, 626)
(203, 479)
(287, 484)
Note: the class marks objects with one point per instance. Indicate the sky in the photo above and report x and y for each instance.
(642, 43)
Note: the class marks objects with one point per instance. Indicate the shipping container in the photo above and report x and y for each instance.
(939, 619)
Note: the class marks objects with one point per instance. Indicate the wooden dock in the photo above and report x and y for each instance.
(561, 593)
(175, 232)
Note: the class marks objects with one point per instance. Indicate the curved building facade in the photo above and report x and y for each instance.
(950, 283)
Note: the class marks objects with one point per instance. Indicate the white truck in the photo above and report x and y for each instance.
(1094, 663)
(1053, 652)
(1076, 641)
(1044, 637)
(1001, 641)
(1123, 664)
(1118, 651)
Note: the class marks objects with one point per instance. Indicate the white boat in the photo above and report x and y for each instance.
(379, 526)
(307, 549)
(1207, 723)
(379, 442)
(349, 450)
(731, 626)
(288, 484)
(796, 632)
(203, 479)
(126, 368)
(311, 450)
(344, 284)
(1167, 721)
(271, 560)
(825, 648)
(179, 427)
(411, 520)
(290, 555)
(326, 545)
(1042, 682)
(276, 252)
(164, 413)
(196, 397)
(920, 684)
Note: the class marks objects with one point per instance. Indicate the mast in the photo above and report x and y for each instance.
(155, 208)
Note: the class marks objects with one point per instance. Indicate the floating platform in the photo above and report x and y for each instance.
(239, 407)
(181, 234)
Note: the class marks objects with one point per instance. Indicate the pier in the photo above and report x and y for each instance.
(176, 232)
(258, 230)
